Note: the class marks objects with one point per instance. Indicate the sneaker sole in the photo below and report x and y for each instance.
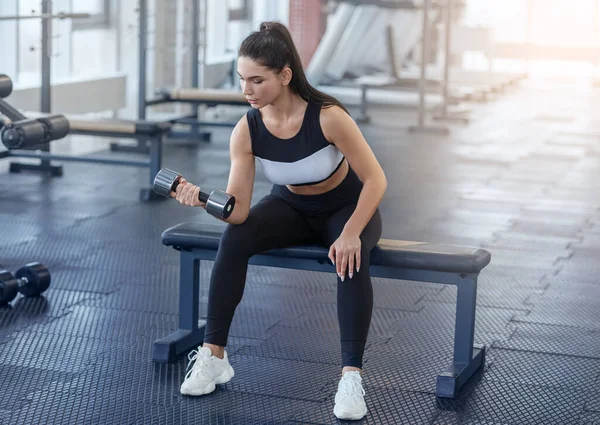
(351, 416)
(225, 377)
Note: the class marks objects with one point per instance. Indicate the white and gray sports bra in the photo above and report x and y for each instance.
(305, 159)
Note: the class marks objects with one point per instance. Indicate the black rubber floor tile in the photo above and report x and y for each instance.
(125, 372)
(52, 303)
(100, 324)
(14, 232)
(593, 405)
(492, 280)
(92, 280)
(472, 217)
(523, 274)
(510, 258)
(446, 418)
(12, 320)
(567, 272)
(305, 345)
(558, 217)
(555, 339)
(589, 418)
(58, 353)
(510, 403)
(109, 259)
(19, 382)
(566, 314)
(510, 298)
(490, 323)
(407, 372)
(385, 406)
(527, 246)
(52, 250)
(545, 370)
(290, 300)
(548, 204)
(396, 296)
(145, 298)
(255, 323)
(489, 195)
(281, 378)
(226, 408)
(324, 316)
(545, 240)
(577, 293)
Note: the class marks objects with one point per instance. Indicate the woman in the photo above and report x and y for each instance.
(327, 186)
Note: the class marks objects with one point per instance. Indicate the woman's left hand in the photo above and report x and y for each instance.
(345, 254)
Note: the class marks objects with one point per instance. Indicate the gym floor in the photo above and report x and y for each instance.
(521, 180)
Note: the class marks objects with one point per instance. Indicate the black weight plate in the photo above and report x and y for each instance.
(8, 287)
(38, 278)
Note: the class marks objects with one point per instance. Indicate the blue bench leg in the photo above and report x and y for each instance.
(467, 358)
(191, 331)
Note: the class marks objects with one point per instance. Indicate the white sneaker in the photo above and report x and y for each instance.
(207, 372)
(349, 400)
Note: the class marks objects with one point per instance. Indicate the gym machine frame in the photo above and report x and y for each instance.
(444, 114)
(143, 102)
(154, 163)
(152, 144)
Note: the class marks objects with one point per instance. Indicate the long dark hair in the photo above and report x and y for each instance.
(272, 46)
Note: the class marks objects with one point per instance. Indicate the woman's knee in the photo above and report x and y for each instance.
(239, 238)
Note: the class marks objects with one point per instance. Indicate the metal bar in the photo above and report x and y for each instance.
(464, 327)
(46, 55)
(195, 43)
(142, 59)
(59, 15)
(195, 59)
(10, 111)
(45, 89)
(447, 31)
(189, 291)
(48, 157)
(420, 127)
(155, 157)
(424, 53)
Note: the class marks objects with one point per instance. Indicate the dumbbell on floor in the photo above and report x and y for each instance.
(30, 280)
(218, 203)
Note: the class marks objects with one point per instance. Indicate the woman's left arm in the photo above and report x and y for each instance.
(341, 130)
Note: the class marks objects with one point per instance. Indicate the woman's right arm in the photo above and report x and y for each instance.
(241, 173)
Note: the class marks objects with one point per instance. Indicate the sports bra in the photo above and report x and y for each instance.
(304, 159)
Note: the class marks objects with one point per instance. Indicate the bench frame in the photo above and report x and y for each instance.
(467, 357)
(153, 163)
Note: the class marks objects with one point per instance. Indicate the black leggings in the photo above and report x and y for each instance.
(282, 219)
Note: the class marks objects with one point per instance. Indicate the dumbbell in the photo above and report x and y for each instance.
(218, 203)
(30, 280)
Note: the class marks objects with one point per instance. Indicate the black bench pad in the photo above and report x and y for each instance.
(389, 253)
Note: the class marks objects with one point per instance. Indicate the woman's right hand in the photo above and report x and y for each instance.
(187, 194)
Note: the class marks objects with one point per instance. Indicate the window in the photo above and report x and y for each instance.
(98, 9)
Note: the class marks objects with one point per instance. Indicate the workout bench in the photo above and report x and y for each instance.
(392, 259)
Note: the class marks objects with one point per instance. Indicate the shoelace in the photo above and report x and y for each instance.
(198, 362)
(352, 386)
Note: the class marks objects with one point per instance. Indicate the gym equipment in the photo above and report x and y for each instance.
(218, 203)
(30, 280)
(392, 259)
(6, 86)
(19, 133)
(31, 132)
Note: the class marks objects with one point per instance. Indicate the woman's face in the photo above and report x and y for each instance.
(260, 85)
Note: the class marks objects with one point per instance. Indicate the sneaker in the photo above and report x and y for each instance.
(349, 400)
(207, 372)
